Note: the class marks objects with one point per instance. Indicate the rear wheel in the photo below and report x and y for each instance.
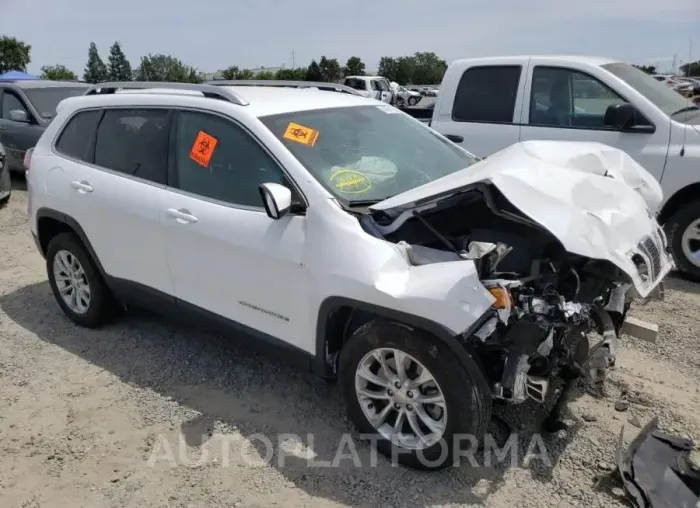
(412, 101)
(408, 392)
(683, 232)
(76, 284)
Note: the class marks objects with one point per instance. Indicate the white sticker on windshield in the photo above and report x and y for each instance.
(390, 110)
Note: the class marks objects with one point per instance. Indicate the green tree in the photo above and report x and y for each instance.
(298, 74)
(691, 69)
(57, 73)
(96, 70)
(245, 74)
(649, 69)
(399, 69)
(428, 68)
(266, 75)
(330, 69)
(313, 72)
(14, 54)
(161, 67)
(230, 72)
(354, 67)
(118, 67)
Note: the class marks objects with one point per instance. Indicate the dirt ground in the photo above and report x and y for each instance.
(89, 417)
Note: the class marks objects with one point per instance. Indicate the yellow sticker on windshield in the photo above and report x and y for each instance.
(349, 181)
(301, 134)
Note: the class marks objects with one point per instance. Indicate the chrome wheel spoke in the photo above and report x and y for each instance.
(400, 362)
(373, 395)
(366, 374)
(415, 426)
(690, 242)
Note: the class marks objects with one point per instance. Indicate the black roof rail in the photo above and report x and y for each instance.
(205, 89)
(329, 87)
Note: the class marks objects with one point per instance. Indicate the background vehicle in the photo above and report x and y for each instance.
(456, 290)
(406, 97)
(490, 103)
(26, 108)
(374, 87)
(5, 182)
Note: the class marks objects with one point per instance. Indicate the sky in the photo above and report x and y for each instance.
(213, 34)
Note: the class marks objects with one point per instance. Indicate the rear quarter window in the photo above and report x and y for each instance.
(487, 94)
(77, 136)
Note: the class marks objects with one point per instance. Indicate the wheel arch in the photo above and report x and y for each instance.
(50, 222)
(680, 198)
(338, 317)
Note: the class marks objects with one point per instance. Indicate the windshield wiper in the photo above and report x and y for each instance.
(685, 110)
(367, 202)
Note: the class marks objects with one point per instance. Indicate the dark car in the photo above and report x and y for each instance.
(5, 183)
(26, 108)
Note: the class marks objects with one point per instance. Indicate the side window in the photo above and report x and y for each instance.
(218, 159)
(134, 142)
(487, 94)
(373, 85)
(563, 97)
(75, 140)
(11, 102)
(357, 84)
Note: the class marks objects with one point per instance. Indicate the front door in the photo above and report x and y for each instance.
(569, 105)
(225, 254)
(17, 137)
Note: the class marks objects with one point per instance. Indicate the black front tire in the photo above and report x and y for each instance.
(674, 227)
(468, 407)
(101, 308)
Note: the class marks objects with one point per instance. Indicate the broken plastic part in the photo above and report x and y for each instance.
(657, 471)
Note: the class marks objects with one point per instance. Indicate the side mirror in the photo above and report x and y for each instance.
(621, 116)
(18, 115)
(276, 198)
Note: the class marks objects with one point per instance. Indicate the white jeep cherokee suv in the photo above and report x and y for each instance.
(368, 246)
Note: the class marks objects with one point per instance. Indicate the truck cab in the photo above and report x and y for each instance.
(487, 104)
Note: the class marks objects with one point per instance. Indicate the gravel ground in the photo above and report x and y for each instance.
(87, 417)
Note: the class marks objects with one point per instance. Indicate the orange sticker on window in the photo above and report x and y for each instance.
(304, 135)
(203, 148)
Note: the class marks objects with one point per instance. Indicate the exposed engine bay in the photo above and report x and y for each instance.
(546, 299)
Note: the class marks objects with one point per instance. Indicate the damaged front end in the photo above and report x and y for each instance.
(547, 299)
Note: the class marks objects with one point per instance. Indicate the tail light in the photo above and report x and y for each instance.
(28, 158)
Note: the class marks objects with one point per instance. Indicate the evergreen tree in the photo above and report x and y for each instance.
(96, 70)
(118, 67)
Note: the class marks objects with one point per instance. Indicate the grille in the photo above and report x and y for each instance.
(651, 250)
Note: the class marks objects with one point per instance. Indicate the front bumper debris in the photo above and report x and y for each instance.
(657, 470)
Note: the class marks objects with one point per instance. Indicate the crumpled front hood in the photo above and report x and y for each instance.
(595, 199)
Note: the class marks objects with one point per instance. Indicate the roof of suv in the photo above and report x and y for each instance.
(263, 101)
(44, 83)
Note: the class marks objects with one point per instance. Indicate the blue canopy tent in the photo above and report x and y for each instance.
(16, 76)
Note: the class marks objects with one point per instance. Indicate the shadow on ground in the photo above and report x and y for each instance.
(230, 383)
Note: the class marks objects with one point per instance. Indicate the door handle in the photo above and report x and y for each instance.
(83, 187)
(183, 215)
(454, 138)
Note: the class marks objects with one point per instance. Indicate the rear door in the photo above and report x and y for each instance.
(569, 104)
(481, 111)
(114, 189)
(17, 137)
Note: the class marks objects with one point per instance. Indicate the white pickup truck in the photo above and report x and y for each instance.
(487, 104)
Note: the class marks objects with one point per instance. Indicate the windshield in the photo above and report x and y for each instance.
(46, 99)
(367, 153)
(661, 95)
